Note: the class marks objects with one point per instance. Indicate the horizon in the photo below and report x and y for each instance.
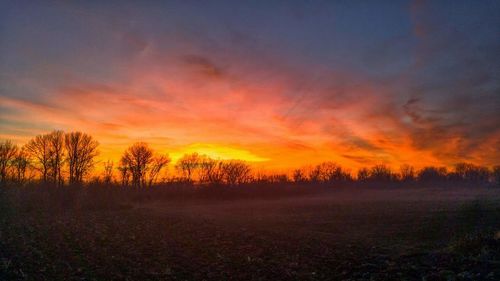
(277, 85)
(173, 169)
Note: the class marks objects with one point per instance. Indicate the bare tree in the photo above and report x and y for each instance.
(124, 173)
(56, 160)
(381, 173)
(326, 172)
(81, 150)
(8, 152)
(158, 163)
(236, 172)
(363, 174)
(136, 160)
(276, 178)
(188, 165)
(331, 172)
(211, 171)
(407, 173)
(39, 149)
(430, 174)
(315, 174)
(21, 163)
(48, 152)
(471, 173)
(299, 176)
(108, 172)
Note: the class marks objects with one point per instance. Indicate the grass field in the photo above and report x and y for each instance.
(343, 234)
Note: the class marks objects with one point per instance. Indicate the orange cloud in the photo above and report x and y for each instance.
(272, 115)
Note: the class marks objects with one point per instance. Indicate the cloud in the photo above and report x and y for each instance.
(203, 66)
(426, 95)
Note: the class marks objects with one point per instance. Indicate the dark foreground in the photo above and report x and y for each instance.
(341, 235)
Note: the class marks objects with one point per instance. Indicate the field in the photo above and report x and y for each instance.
(341, 234)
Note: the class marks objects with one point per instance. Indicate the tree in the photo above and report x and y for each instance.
(407, 173)
(363, 174)
(432, 174)
(56, 152)
(47, 150)
(20, 164)
(39, 149)
(471, 173)
(277, 178)
(236, 172)
(8, 152)
(331, 172)
(158, 163)
(81, 150)
(328, 171)
(315, 174)
(381, 173)
(135, 161)
(211, 171)
(124, 173)
(108, 172)
(188, 164)
(299, 176)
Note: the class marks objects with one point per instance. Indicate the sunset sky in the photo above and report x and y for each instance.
(278, 83)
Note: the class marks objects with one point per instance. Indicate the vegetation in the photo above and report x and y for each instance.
(60, 158)
(217, 219)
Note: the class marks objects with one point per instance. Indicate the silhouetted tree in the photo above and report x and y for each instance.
(407, 173)
(259, 177)
(329, 172)
(136, 160)
(40, 150)
(471, 173)
(124, 173)
(158, 163)
(432, 174)
(236, 172)
(211, 171)
(363, 174)
(315, 174)
(8, 152)
(188, 164)
(21, 163)
(271, 178)
(299, 176)
(381, 173)
(108, 172)
(56, 160)
(81, 150)
(278, 178)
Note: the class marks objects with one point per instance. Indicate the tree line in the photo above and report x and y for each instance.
(58, 158)
(50, 156)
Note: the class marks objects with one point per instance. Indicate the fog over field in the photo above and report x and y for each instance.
(343, 233)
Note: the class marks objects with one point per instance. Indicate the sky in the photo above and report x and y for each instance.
(280, 84)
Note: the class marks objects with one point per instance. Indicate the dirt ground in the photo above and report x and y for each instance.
(413, 234)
